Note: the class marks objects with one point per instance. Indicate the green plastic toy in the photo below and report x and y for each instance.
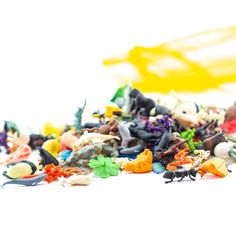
(103, 167)
(188, 135)
(78, 117)
(11, 126)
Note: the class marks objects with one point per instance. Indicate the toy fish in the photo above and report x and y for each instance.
(27, 182)
(195, 63)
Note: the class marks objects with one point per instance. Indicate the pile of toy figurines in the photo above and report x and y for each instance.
(134, 134)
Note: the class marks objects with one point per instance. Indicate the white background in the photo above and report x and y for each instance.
(50, 60)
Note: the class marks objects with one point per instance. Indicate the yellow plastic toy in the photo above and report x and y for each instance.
(195, 63)
(111, 111)
(52, 146)
(50, 130)
(142, 164)
(214, 166)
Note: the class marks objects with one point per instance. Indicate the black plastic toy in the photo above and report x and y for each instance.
(47, 158)
(139, 101)
(181, 173)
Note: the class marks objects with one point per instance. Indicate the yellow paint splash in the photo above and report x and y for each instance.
(195, 63)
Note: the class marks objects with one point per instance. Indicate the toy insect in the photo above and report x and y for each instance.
(181, 173)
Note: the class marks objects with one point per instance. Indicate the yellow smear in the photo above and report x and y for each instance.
(196, 63)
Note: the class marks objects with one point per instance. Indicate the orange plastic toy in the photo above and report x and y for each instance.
(180, 159)
(21, 153)
(53, 172)
(215, 166)
(142, 164)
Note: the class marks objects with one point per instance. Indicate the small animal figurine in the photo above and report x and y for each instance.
(37, 140)
(76, 180)
(68, 139)
(52, 146)
(132, 150)
(125, 134)
(187, 121)
(160, 110)
(21, 153)
(83, 156)
(47, 158)
(180, 173)
(138, 130)
(210, 142)
(27, 181)
(110, 128)
(139, 101)
(92, 138)
(20, 169)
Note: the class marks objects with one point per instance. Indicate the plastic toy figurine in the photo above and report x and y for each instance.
(138, 101)
(27, 181)
(76, 180)
(181, 173)
(52, 146)
(82, 156)
(210, 142)
(110, 128)
(158, 168)
(188, 135)
(181, 158)
(78, 117)
(91, 138)
(53, 173)
(36, 140)
(119, 98)
(46, 157)
(22, 153)
(142, 164)
(173, 149)
(11, 127)
(51, 131)
(187, 121)
(20, 169)
(104, 167)
(206, 130)
(132, 152)
(125, 134)
(113, 111)
(163, 143)
(68, 139)
(137, 130)
(226, 151)
(216, 166)
(160, 110)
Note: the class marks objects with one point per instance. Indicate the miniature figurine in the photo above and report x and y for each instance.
(181, 173)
